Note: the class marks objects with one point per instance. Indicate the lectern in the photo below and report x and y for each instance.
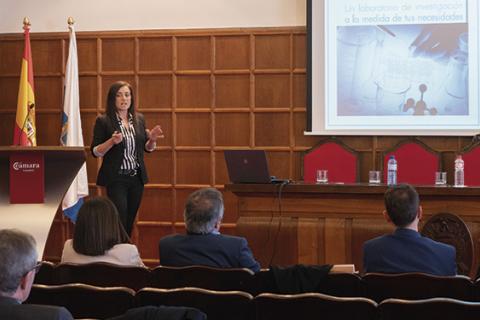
(61, 165)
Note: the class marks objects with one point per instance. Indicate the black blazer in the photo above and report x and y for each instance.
(213, 250)
(112, 160)
(408, 251)
(13, 310)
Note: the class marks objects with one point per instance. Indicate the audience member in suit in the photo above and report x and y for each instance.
(203, 244)
(406, 250)
(18, 265)
(99, 237)
(121, 137)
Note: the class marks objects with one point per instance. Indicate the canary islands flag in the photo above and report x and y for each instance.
(72, 130)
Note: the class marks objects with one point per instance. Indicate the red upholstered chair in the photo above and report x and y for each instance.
(471, 157)
(416, 162)
(340, 160)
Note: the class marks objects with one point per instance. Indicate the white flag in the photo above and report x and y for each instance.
(72, 130)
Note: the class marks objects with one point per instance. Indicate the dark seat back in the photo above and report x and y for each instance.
(234, 279)
(84, 301)
(45, 274)
(414, 286)
(436, 308)
(102, 274)
(217, 305)
(342, 285)
(306, 306)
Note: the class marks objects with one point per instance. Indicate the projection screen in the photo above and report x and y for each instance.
(383, 67)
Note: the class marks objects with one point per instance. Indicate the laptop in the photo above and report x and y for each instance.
(247, 166)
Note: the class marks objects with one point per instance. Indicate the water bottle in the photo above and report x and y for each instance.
(392, 171)
(459, 173)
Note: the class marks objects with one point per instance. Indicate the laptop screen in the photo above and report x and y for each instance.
(247, 166)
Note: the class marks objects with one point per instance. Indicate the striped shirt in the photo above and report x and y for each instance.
(129, 153)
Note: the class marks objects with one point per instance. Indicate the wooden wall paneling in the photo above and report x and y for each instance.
(147, 237)
(272, 129)
(87, 55)
(46, 56)
(387, 142)
(272, 90)
(155, 91)
(118, 54)
(48, 93)
(297, 159)
(447, 143)
(272, 51)
(365, 165)
(9, 92)
(11, 53)
(194, 91)
(193, 129)
(160, 167)
(193, 53)
(157, 205)
(270, 239)
(232, 91)
(88, 92)
(279, 164)
(6, 128)
(335, 240)
(232, 129)
(308, 240)
(193, 167)
(299, 89)
(156, 54)
(48, 127)
(299, 51)
(88, 122)
(232, 52)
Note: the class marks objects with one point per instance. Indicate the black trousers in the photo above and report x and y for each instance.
(126, 193)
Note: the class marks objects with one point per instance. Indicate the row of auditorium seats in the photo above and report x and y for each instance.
(377, 287)
(85, 301)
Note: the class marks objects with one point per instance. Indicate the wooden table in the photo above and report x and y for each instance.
(328, 223)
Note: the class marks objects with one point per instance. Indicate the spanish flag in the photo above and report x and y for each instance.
(25, 132)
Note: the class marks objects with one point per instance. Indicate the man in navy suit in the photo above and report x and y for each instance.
(203, 244)
(18, 263)
(406, 250)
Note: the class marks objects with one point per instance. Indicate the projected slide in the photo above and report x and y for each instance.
(401, 64)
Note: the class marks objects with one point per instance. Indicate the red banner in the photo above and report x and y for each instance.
(27, 178)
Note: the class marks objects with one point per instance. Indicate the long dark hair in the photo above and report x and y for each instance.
(98, 228)
(112, 95)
